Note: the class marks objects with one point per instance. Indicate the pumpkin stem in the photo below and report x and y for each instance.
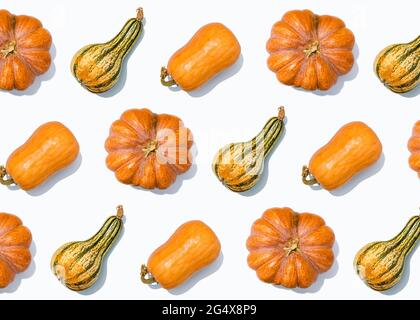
(291, 246)
(145, 276)
(311, 49)
(163, 75)
(307, 177)
(9, 48)
(5, 179)
(282, 113)
(150, 147)
(120, 212)
(140, 14)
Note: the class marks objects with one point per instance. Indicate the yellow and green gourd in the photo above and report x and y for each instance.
(381, 264)
(98, 66)
(398, 66)
(239, 166)
(77, 264)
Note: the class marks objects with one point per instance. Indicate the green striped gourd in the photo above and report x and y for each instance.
(398, 66)
(380, 264)
(98, 66)
(239, 166)
(78, 264)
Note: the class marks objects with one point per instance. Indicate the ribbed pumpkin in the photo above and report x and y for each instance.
(290, 249)
(212, 49)
(15, 240)
(239, 166)
(51, 148)
(192, 247)
(381, 264)
(414, 148)
(24, 50)
(98, 66)
(310, 51)
(148, 150)
(398, 66)
(352, 149)
(78, 264)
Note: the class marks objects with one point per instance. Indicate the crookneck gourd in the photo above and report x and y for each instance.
(78, 264)
(381, 264)
(290, 249)
(239, 166)
(414, 148)
(148, 150)
(398, 66)
(212, 49)
(352, 149)
(51, 148)
(98, 66)
(192, 247)
(24, 50)
(310, 51)
(15, 240)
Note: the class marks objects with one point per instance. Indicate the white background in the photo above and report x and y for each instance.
(74, 205)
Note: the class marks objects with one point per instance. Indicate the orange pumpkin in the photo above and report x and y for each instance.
(148, 150)
(353, 148)
(24, 50)
(192, 247)
(290, 249)
(310, 51)
(15, 240)
(212, 49)
(414, 148)
(51, 148)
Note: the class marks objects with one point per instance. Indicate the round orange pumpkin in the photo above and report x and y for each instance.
(24, 50)
(310, 51)
(414, 148)
(290, 249)
(15, 240)
(148, 150)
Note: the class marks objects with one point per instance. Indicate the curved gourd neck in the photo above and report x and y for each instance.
(408, 237)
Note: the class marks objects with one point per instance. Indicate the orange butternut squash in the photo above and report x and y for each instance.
(51, 148)
(414, 148)
(353, 148)
(192, 247)
(212, 49)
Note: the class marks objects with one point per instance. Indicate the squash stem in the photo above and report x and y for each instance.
(282, 113)
(140, 14)
(145, 276)
(163, 75)
(5, 179)
(307, 177)
(9, 48)
(120, 212)
(311, 49)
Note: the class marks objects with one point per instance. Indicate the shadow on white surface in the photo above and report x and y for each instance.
(322, 277)
(365, 174)
(24, 275)
(123, 75)
(38, 80)
(215, 81)
(405, 276)
(197, 277)
(264, 176)
(411, 94)
(104, 266)
(60, 175)
(336, 88)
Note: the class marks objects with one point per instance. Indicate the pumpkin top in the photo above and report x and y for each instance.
(24, 50)
(290, 248)
(310, 51)
(147, 149)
